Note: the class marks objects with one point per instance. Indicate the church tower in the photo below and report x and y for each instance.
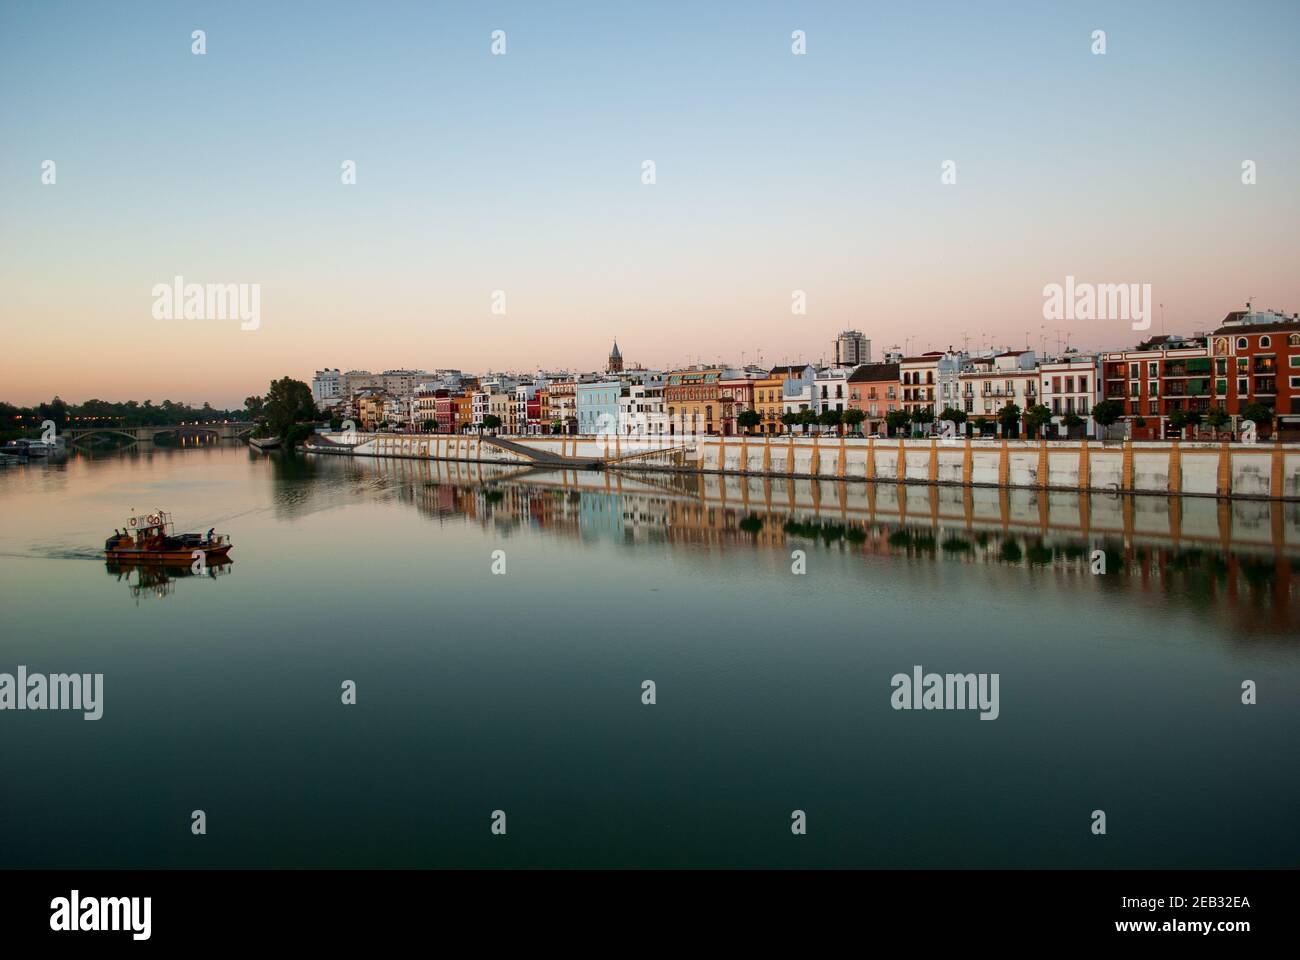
(615, 360)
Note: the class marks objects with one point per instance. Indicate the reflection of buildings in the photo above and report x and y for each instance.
(1237, 557)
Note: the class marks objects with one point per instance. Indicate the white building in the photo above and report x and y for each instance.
(519, 412)
(920, 382)
(830, 389)
(852, 349)
(991, 383)
(946, 374)
(397, 410)
(641, 410)
(327, 388)
(1070, 384)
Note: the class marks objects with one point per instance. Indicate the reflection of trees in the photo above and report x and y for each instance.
(1016, 530)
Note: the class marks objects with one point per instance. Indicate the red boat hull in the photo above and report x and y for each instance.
(167, 556)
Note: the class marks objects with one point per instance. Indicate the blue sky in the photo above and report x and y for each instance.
(521, 172)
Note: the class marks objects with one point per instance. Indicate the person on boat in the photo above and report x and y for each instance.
(211, 530)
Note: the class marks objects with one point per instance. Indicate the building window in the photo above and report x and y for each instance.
(1265, 342)
(1153, 406)
(1242, 343)
(1243, 386)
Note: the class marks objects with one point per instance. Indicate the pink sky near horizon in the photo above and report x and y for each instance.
(522, 173)
(107, 345)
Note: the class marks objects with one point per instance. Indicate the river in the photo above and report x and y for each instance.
(499, 627)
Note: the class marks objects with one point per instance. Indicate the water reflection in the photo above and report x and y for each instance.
(1232, 560)
(158, 580)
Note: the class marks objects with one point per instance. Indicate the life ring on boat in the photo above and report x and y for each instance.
(154, 519)
(133, 521)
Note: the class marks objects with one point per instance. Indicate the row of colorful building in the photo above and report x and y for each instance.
(1252, 360)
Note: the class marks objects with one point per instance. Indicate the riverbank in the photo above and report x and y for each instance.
(1269, 471)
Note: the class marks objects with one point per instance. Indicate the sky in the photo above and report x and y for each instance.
(523, 173)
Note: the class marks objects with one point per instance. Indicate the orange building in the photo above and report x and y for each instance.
(696, 403)
(874, 389)
(463, 406)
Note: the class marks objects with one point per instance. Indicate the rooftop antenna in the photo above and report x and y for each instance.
(1162, 319)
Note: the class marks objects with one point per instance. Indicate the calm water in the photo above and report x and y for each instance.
(522, 692)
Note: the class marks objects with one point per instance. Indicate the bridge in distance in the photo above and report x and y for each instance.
(227, 430)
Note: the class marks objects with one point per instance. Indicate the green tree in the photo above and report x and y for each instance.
(747, 420)
(1217, 418)
(289, 410)
(1072, 423)
(254, 407)
(790, 419)
(831, 418)
(1009, 417)
(1257, 413)
(1036, 417)
(853, 418)
(807, 418)
(1106, 412)
(954, 416)
(897, 420)
(490, 422)
(557, 426)
(923, 416)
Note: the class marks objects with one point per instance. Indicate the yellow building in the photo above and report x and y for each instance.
(768, 404)
(695, 403)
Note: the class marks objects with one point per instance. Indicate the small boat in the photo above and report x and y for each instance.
(36, 448)
(149, 539)
(264, 443)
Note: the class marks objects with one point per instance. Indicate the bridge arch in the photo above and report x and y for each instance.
(81, 435)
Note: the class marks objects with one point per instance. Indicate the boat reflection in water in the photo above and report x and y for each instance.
(1237, 561)
(159, 579)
